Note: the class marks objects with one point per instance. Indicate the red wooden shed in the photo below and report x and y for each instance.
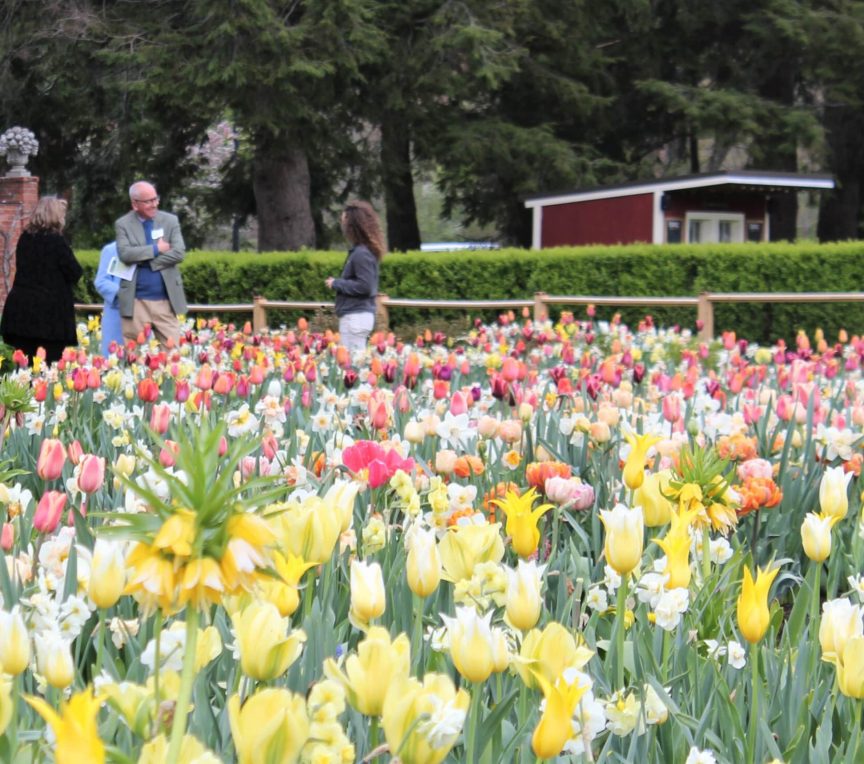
(711, 207)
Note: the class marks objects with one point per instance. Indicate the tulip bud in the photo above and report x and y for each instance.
(368, 596)
(160, 418)
(850, 668)
(471, 644)
(816, 535)
(423, 565)
(54, 659)
(266, 648)
(52, 457)
(14, 642)
(524, 598)
(49, 511)
(107, 573)
(841, 621)
(91, 473)
(833, 498)
(624, 537)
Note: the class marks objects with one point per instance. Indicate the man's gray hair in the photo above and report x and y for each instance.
(135, 185)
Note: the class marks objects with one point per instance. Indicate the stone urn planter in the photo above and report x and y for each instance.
(18, 144)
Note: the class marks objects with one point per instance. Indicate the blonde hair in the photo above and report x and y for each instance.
(49, 215)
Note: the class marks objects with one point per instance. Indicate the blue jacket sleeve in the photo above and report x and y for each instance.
(105, 284)
(360, 275)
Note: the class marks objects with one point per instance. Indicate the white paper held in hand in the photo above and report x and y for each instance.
(121, 270)
(157, 233)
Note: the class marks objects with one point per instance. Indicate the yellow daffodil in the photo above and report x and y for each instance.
(464, 546)
(422, 721)
(522, 519)
(624, 537)
(368, 674)
(75, 731)
(266, 648)
(816, 535)
(753, 615)
(555, 727)
(272, 725)
(634, 466)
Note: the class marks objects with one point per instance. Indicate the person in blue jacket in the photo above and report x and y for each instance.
(108, 286)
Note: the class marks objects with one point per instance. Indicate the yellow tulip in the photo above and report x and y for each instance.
(656, 508)
(14, 642)
(54, 659)
(833, 498)
(464, 546)
(841, 621)
(6, 702)
(367, 675)
(423, 565)
(555, 727)
(850, 668)
(522, 520)
(107, 573)
(548, 653)
(753, 615)
(634, 466)
(423, 721)
(134, 702)
(340, 499)
(284, 593)
(266, 649)
(272, 726)
(307, 529)
(75, 731)
(624, 537)
(676, 545)
(368, 596)
(524, 598)
(472, 647)
(816, 535)
(192, 751)
(208, 647)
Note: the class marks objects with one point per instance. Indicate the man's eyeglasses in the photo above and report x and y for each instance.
(154, 200)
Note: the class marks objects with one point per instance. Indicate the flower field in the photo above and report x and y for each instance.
(578, 541)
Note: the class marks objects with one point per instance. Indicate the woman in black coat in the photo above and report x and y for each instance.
(40, 308)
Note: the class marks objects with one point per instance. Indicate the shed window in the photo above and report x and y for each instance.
(708, 227)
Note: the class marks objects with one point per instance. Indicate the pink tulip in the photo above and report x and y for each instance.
(7, 536)
(160, 418)
(75, 452)
(671, 408)
(52, 457)
(48, 511)
(458, 404)
(168, 454)
(91, 474)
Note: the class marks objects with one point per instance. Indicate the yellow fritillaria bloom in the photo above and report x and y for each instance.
(177, 534)
(634, 466)
(151, 578)
(753, 615)
(272, 725)
(75, 730)
(522, 520)
(367, 675)
(555, 727)
(423, 721)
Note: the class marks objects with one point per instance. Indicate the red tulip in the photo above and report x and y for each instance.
(52, 457)
(48, 511)
(148, 390)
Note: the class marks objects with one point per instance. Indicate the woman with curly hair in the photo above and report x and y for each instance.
(40, 308)
(357, 287)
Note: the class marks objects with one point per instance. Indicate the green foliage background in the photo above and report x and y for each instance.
(636, 270)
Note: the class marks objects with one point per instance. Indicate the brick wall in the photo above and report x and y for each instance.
(18, 197)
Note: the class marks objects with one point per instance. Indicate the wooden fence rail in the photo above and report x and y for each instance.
(704, 304)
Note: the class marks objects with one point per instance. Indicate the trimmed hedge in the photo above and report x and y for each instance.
(638, 270)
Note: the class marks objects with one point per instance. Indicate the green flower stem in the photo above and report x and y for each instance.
(417, 635)
(187, 679)
(754, 539)
(754, 705)
(473, 715)
(852, 751)
(706, 555)
(620, 614)
(373, 733)
(12, 730)
(556, 530)
(814, 618)
(100, 642)
(157, 627)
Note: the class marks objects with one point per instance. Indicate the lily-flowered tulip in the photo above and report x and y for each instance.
(624, 537)
(423, 564)
(555, 727)
(522, 520)
(284, 593)
(753, 614)
(266, 648)
(54, 659)
(676, 545)
(472, 647)
(816, 535)
(850, 668)
(14, 642)
(634, 466)
(833, 497)
(272, 725)
(656, 508)
(841, 621)
(366, 676)
(76, 735)
(368, 595)
(107, 573)
(548, 653)
(49, 511)
(52, 457)
(422, 722)
(91, 473)
(524, 597)
(464, 546)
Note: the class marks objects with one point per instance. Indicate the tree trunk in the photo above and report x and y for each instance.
(403, 232)
(280, 181)
(840, 210)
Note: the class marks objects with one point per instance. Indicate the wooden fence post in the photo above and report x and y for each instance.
(541, 309)
(705, 314)
(382, 317)
(259, 313)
